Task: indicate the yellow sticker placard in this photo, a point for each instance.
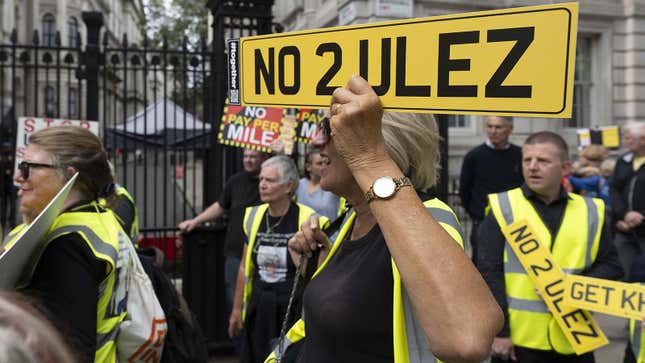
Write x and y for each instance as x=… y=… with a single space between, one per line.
x=578 y=326
x=605 y=296
x=517 y=61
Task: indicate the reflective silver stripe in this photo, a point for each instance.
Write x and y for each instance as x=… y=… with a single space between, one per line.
x=505 y=206
x=592 y=226
x=104 y=338
x=636 y=341
x=572 y=271
x=249 y=221
x=512 y=264
x=527 y=305
x=447 y=217
x=97 y=243
x=418 y=349
x=281 y=347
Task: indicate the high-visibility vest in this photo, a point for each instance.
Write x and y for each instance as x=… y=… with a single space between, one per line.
x=575 y=248
x=409 y=340
x=637 y=339
x=252 y=220
x=133 y=230
x=102 y=233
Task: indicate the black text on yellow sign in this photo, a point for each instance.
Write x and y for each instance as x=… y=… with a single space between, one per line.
x=605 y=296
x=516 y=61
x=578 y=326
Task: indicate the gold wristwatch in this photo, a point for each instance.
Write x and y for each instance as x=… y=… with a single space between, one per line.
x=385 y=187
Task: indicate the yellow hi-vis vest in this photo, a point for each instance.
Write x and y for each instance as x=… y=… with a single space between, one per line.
x=252 y=220
x=637 y=339
x=133 y=232
x=409 y=340
x=574 y=248
x=103 y=235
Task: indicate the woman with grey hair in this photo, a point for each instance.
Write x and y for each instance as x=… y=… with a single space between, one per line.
x=395 y=285
x=267 y=271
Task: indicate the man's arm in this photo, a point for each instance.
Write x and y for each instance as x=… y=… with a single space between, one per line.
x=606 y=265
x=212 y=212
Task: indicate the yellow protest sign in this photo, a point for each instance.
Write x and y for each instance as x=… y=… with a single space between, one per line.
x=578 y=326
x=605 y=296
x=517 y=61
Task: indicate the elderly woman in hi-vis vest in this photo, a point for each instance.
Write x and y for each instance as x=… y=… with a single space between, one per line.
x=267 y=270
x=393 y=284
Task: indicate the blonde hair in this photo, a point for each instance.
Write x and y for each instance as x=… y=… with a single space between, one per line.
x=27 y=336
x=595 y=153
x=79 y=148
x=412 y=141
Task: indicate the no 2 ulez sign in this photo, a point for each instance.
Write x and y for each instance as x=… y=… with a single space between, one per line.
x=516 y=61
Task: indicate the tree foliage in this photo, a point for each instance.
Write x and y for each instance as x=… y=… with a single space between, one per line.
x=176 y=20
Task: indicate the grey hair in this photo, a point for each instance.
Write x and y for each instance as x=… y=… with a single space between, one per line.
x=286 y=168
x=412 y=141
x=507 y=119
x=635 y=128
x=27 y=336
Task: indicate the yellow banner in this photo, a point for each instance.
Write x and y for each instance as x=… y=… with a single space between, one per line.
x=578 y=326
x=605 y=296
x=517 y=61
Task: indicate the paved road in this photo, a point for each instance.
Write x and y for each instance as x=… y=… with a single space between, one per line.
x=614 y=328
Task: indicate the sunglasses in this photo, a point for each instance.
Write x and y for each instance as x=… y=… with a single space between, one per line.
x=325 y=127
x=24 y=167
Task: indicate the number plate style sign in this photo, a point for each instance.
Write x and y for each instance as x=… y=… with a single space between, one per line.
x=517 y=61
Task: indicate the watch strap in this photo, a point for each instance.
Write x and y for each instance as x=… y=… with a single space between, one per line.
x=399 y=182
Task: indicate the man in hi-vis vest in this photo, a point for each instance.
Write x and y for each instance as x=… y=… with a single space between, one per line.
x=574 y=230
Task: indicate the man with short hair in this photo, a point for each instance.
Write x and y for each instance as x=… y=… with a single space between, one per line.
x=241 y=191
x=627 y=195
x=564 y=223
x=491 y=167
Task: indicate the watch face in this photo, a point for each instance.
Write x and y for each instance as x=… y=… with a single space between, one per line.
x=384 y=187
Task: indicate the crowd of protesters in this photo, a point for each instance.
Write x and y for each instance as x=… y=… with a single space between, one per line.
x=391 y=280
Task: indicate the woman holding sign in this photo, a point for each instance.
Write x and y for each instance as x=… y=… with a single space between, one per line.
x=396 y=286
x=79 y=273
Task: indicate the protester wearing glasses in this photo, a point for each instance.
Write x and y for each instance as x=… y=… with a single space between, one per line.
x=79 y=272
x=396 y=286
x=266 y=272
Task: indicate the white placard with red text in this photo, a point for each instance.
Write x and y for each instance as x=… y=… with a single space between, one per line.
x=29 y=125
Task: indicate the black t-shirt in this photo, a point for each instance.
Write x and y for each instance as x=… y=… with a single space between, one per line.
x=66 y=284
x=240 y=191
x=348 y=306
x=270 y=253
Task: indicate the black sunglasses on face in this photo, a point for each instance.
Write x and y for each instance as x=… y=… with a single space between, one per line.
x=325 y=127
x=24 y=166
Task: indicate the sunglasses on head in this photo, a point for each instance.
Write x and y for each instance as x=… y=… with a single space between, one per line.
x=24 y=167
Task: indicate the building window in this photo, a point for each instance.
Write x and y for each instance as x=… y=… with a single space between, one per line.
x=72 y=32
x=458 y=121
x=73 y=103
x=50 y=101
x=582 y=85
x=49 y=30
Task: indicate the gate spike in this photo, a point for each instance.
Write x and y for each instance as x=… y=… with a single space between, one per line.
x=14 y=36
x=105 y=39
x=185 y=43
x=57 y=38
x=79 y=41
x=145 y=41
x=34 y=38
x=125 y=40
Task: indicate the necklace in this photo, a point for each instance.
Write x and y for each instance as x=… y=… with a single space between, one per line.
x=271 y=228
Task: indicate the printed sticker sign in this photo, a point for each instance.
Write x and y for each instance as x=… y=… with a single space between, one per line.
x=253 y=128
x=517 y=61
